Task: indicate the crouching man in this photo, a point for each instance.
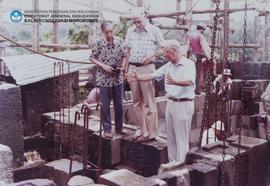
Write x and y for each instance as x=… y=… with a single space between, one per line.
x=179 y=74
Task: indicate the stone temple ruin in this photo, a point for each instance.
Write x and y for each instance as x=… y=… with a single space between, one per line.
x=48 y=138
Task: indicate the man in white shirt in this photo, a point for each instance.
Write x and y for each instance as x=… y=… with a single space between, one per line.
x=179 y=75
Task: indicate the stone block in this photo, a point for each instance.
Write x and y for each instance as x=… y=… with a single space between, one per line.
x=6 y=164
x=236 y=69
x=198 y=102
x=35 y=182
x=234 y=123
x=194 y=137
x=58 y=170
x=110 y=153
x=252 y=71
x=174 y=173
x=212 y=154
x=125 y=177
x=29 y=171
x=145 y=157
x=251 y=108
x=129 y=116
x=235 y=107
x=196 y=120
x=253 y=89
x=236 y=89
x=202 y=174
x=265 y=71
x=264 y=127
x=11 y=126
x=80 y=181
x=258 y=150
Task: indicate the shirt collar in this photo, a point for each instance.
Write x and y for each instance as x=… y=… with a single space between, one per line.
x=106 y=42
x=146 y=28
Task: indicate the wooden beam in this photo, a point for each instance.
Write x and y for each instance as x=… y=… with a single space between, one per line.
x=267 y=39
x=35 y=28
x=173 y=27
x=256 y=37
x=179 y=13
x=188 y=14
x=225 y=34
x=178 y=32
x=130 y=3
x=55 y=26
x=241 y=46
x=51 y=45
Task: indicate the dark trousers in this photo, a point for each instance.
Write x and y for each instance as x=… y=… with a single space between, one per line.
x=107 y=94
x=199 y=72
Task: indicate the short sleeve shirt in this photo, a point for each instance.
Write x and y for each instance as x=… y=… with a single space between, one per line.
x=143 y=42
x=109 y=54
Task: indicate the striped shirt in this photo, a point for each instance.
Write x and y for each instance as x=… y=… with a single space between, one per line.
x=143 y=42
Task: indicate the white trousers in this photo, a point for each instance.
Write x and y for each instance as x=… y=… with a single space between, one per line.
x=178 y=126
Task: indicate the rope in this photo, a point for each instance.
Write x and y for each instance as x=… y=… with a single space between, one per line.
x=44 y=55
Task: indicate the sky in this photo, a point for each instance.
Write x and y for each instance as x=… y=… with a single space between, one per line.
x=155 y=6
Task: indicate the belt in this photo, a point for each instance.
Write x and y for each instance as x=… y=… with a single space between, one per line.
x=139 y=64
x=180 y=99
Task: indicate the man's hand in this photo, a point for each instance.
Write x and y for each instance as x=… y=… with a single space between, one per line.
x=146 y=60
x=149 y=57
x=107 y=68
x=170 y=80
x=131 y=76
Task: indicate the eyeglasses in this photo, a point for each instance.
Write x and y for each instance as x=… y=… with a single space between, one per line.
x=137 y=22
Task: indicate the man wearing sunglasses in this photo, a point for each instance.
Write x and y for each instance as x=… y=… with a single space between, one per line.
x=143 y=40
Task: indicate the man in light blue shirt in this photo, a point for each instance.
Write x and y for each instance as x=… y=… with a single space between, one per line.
x=143 y=39
x=179 y=75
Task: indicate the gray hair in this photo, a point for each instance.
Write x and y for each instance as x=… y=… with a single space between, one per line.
x=138 y=12
x=171 y=44
x=105 y=24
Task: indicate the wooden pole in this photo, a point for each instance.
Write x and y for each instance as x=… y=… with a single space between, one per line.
x=178 y=32
x=225 y=38
x=55 y=26
x=196 y=12
x=256 y=37
x=267 y=38
x=140 y=3
x=189 y=13
x=35 y=28
x=174 y=27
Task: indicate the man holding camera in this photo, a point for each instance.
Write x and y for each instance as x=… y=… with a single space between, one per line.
x=109 y=54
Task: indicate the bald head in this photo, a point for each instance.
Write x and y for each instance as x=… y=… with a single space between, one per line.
x=171 y=50
x=138 y=17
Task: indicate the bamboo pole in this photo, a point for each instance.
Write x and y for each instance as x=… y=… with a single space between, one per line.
x=179 y=13
x=55 y=26
x=35 y=28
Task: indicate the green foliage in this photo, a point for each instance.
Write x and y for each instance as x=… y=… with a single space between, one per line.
x=78 y=36
x=121 y=28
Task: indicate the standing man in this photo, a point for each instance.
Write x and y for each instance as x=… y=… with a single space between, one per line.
x=143 y=40
x=199 y=47
x=109 y=54
x=179 y=75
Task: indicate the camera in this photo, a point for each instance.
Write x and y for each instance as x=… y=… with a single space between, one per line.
x=116 y=71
